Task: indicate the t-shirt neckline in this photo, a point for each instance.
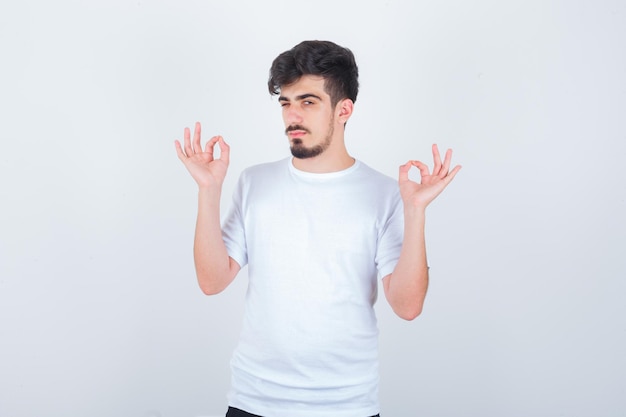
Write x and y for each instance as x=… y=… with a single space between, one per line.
x=323 y=175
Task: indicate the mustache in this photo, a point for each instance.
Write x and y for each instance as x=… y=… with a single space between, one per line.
x=296 y=127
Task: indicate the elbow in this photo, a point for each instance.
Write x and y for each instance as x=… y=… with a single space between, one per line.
x=406 y=296
x=209 y=286
x=214 y=280
x=409 y=316
x=210 y=290
x=409 y=313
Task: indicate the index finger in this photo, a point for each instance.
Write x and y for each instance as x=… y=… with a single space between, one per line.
x=404 y=172
x=210 y=145
x=224 y=150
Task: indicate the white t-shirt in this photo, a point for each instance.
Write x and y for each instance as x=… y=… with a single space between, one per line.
x=314 y=245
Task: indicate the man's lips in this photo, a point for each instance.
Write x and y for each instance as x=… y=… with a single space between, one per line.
x=296 y=133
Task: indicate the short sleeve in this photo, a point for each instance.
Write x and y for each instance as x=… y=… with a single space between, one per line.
x=233 y=227
x=390 y=238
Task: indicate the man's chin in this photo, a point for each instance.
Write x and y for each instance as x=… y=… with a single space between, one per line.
x=302 y=152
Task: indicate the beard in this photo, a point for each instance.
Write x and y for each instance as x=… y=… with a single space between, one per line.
x=298 y=150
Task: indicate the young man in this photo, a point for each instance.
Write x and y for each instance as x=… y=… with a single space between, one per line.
x=316 y=230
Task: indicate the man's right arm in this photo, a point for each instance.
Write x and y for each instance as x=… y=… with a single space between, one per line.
x=214 y=268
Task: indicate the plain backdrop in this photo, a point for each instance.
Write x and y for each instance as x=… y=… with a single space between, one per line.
x=100 y=313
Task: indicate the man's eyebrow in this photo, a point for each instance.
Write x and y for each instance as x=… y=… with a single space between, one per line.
x=305 y=96
x=301 y=97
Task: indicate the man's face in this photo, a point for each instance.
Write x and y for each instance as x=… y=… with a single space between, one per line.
x=308 y=116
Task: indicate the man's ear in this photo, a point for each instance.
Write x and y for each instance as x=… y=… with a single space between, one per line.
x=344 y=110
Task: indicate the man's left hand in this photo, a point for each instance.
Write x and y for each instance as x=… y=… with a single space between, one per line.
x=431 y=184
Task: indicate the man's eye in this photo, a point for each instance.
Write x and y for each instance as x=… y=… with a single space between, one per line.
x=307 y=102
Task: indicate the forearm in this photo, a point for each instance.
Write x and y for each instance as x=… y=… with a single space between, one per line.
x=406 y=287
x=214 y=268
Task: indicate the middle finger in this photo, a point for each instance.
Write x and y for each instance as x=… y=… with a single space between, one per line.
x=197 y=147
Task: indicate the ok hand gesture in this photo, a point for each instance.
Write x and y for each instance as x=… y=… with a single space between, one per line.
x=207 y=171
x=431 y=185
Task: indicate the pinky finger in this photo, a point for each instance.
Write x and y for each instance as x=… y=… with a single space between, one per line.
x=452 y=173
x=179 y=151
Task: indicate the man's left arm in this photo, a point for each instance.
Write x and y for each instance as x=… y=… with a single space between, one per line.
x=405 y=288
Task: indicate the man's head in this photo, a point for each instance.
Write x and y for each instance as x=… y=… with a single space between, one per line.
x=335 y=64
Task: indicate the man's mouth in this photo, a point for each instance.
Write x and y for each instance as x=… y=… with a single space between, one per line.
x=294 y=134
x=296 y=131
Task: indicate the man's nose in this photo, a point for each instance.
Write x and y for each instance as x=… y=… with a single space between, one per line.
x=293 y=116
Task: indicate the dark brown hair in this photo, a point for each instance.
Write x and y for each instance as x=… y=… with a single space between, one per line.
x=334 y=63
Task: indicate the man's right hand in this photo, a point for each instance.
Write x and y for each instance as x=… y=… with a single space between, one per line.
x=207 y=171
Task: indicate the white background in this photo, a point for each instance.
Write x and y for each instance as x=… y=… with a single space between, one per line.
x=100 y=314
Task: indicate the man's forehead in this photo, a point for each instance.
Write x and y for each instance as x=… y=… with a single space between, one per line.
x=307 y=84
